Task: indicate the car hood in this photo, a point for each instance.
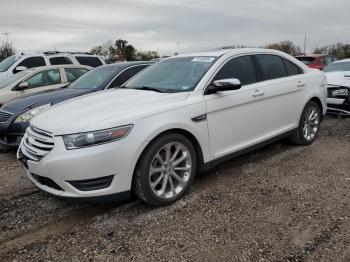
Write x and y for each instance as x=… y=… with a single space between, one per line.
x=3 y=75
x=105 y=109
x=338 y=78
x=45 y=97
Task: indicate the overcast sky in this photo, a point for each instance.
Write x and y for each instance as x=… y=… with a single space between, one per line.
x=159 y=24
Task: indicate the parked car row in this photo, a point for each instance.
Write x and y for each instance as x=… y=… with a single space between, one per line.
x=159 y=126
x=17 y=63
x=15 y=115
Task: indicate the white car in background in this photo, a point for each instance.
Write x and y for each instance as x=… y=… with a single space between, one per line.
x=38 y=79
x=17 y=63
x=181 y=115
x=338 y=84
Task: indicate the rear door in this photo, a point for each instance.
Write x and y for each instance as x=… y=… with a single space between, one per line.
x=44 y=80
x=236 y=119
x=283 y=84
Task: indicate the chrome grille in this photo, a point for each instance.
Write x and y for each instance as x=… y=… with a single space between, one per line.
x=4 y=116
x=37 y=143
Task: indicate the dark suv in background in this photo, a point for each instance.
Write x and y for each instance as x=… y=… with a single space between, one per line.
x=316 y=61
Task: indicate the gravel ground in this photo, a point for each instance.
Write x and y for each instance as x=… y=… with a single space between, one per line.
x=281 y=203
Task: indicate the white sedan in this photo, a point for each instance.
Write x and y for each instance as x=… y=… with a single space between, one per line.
x=182 y=115
x=38 y=79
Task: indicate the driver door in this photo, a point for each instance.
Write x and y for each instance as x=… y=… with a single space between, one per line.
x=236 y=119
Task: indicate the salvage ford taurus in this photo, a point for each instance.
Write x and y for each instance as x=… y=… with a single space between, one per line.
x=182 y=115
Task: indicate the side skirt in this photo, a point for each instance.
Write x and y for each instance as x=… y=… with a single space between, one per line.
x=213 y=163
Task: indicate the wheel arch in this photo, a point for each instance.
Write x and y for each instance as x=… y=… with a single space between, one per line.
x=184 y=132
x=319 y=103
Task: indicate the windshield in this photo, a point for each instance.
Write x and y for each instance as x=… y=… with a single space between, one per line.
x=14 y=78
x=7 y=63
x=306 y=59
x=179 y=74
x=97 y=78
x=339 y=66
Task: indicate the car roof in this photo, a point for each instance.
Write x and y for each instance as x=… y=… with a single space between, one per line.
x=235 y=51
x=123 y=65
x=59 y=66
x=343 y=60
x=313 y=55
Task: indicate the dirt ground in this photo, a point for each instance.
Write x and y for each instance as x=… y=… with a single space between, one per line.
x=281 y=203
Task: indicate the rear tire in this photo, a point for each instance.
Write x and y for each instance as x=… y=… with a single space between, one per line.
x=165 y=170
x=309 y=125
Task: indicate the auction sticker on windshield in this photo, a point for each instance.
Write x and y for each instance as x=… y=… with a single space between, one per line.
x=203 y=59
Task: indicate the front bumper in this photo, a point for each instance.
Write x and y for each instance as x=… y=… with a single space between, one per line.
x=64 y=167
x=338 y=106
x=11 y=133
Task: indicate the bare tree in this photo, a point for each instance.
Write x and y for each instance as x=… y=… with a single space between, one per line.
x=339 y=50
x=6 y=50
x=286 y=46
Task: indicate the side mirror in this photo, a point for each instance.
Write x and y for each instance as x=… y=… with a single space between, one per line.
x=224 y=85
x=20 y=68
x=22 y=86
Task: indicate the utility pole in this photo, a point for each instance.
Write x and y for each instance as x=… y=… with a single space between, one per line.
x=305 y=44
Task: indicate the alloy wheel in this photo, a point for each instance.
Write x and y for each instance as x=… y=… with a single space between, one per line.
x=170 y=170
x=311 y=123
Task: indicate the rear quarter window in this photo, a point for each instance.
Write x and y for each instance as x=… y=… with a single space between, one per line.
x=89 y=61
x=60 y=61
x=291 y=68
x=272 y=66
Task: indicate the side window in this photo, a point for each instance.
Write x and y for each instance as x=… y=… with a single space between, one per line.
x=241 y=68
x=62 y=60
x=126 y=75
x=53 y=77
x=89 y=61
x=36 y=80
x=32 y=62
x=45 y=78
x=272 y=66
x=291 y=68
x=74 y=73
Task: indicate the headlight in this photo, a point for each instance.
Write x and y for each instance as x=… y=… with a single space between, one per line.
x=27 y=116
x=341 y=92
x=96 y=137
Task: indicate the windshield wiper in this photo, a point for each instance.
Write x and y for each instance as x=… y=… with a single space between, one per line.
x=148 y=88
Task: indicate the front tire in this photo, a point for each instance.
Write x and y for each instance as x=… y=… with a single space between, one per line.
x=309 y=125
x=165 y=170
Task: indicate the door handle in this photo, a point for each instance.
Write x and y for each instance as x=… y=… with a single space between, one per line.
x=301 y=84
x=258 y=92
